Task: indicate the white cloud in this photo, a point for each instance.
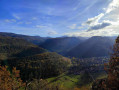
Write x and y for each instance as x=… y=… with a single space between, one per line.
x=100 y=25
x=112 y=30
x=111 y=12
x=94 y=20
x=112 y=6
x=104 y=24
x=73 y=26
x=13 y=20
x=83 y=11
x=7 y=20
x=40 y=26
x=34 y=18
x=80 y=27
x=10 y=20
x=16 y=16
x=52 y=32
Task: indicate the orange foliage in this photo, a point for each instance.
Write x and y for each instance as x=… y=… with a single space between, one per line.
x=76 y=89
x=10 y=81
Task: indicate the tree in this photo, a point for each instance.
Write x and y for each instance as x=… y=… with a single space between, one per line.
x=10 y=81
x=113 y=69
x=112 y=81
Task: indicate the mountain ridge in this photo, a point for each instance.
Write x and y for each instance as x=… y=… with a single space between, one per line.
x=92 y=47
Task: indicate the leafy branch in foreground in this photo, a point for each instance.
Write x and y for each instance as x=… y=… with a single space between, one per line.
x=10 y=81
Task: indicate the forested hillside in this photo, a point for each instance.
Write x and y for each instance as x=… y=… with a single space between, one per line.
x=40 y=68
x=30 y=59
x=11 y=47
x=33 y=39
x=69 y=46
x=62 y=44
x=93 y=47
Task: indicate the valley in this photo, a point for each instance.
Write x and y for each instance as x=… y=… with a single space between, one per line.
x=55 y=59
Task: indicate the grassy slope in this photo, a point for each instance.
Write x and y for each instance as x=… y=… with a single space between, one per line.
x=69 y=82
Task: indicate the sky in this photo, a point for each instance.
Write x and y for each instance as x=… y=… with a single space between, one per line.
x=57 y=18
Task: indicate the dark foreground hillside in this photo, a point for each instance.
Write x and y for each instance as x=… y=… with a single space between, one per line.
x=39 y=66
x=31 y=60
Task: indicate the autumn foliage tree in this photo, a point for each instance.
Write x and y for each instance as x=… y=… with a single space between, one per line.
x=10 y=81
x=113 y=68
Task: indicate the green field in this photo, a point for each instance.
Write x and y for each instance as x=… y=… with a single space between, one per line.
x=69 y=82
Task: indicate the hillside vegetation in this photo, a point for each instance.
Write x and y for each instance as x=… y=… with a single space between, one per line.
x=31 y=60
x=40 y=66
x=41 y=69
x=33 y=39
x=62 y=44
x=93 y=47
x=11 y=47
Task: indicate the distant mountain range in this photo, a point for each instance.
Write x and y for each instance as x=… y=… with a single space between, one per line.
x=17 y=47
x=96 y=46
x=33 y=39
x=62 y=44
x=81 y=47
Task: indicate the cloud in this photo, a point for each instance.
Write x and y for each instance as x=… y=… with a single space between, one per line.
x=83 y=11
x=41 y=14
x=52 y=33
x=16 y=16
x=34 y=18
x=112 y=6
x=104 y=19
x=40 y=26
x=99 y=26
x=7 y=20
x=94 y=20
x=104 y=24
x=73 y=26
x=80 y=27
x=111 y=30
x=10 y=20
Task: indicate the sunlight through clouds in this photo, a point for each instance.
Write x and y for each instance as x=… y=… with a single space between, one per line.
x=102 y=24
x=65 y=17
